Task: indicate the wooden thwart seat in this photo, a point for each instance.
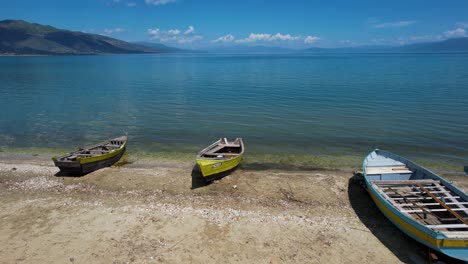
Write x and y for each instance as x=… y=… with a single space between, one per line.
x=216 y=154
x=387 y=170
x=220 y=147
x=404 y=182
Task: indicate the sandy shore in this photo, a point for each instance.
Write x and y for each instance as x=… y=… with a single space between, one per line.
x=152 y=211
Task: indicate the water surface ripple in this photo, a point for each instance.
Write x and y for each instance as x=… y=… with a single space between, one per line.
x=412 y=104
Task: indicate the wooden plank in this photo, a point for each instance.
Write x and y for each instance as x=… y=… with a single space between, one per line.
x=229 y=145
x=432 y=210
x=456 y=203
x=443 y=204
x=213 y=150
x=413 y=186
x=405 y=182
x=447 y=226
x=387 y=170
x=416 y=192
x=421 y=198
x=112 y=146
x=455 y=234
x=386 y=196
x=451 y=219
x=216 y=154
x=448 y=196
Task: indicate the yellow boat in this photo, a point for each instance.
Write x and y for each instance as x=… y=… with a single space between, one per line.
x=92 y=158
x=219 y=157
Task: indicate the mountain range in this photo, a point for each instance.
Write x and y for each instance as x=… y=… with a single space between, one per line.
x=454 y=45
x=18 y=37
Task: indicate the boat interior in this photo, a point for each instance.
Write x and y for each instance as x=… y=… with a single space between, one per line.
x=420 y=195
x=223 y=149
x=95 y=150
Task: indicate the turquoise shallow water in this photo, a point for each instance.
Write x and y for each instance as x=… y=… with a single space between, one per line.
x=413 y=104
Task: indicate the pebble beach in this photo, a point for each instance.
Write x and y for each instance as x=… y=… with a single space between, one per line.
x=153 y=210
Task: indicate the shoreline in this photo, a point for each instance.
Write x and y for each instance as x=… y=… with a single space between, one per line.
x=148 y=210
x=252 y=161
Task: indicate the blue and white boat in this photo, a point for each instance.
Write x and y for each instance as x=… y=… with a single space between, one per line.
x=420 y=203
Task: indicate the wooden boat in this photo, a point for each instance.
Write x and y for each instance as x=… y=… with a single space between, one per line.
x=420 y=203
x=92 y=158
x=219 y=157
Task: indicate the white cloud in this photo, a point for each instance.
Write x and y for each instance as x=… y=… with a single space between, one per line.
x=190 y=30
x=153 y=32
x=159 y=2
x=394 y=24
x=110 y=31
x=254 y=37
x=173 y=35
x=173 y=32
x=266 y=37
x=279 y=36
x=131 y=4
x=224 y=39
x=310 y=39
x=456 y=33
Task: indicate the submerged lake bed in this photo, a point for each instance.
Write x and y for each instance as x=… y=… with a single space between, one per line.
x=285 y=106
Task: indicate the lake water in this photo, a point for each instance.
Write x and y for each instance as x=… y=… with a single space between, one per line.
x=413 y=104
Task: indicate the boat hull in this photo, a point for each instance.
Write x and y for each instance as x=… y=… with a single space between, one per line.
x=92 y=158
x=456 y=248
x=213 y=167
x=84 y=166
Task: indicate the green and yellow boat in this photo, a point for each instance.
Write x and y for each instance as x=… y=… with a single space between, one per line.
x=92 y=158
x=219 y=157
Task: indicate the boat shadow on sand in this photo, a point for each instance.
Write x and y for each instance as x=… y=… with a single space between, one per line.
x=401 y=245
x=198 y=181
x=405 y=248
x=71 y=175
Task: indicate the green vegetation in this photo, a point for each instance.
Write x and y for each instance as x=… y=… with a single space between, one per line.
x=252 y=161
x=20 y=37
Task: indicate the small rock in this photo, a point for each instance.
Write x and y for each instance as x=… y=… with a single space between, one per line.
x=13 y=169
x=234 y=186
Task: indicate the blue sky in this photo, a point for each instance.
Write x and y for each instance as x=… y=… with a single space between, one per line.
x=293 y=23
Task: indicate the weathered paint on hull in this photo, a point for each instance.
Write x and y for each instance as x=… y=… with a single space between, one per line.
x=451 y=247
x=210 y=167
x=79 y=167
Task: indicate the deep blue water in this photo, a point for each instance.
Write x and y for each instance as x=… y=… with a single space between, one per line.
x=411 y=104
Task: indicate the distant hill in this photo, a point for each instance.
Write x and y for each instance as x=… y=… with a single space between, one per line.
x=360 y=49
x=449 y=45
x=445 y=46
x=163 y=48
x=250 y=49
x=19 y=37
